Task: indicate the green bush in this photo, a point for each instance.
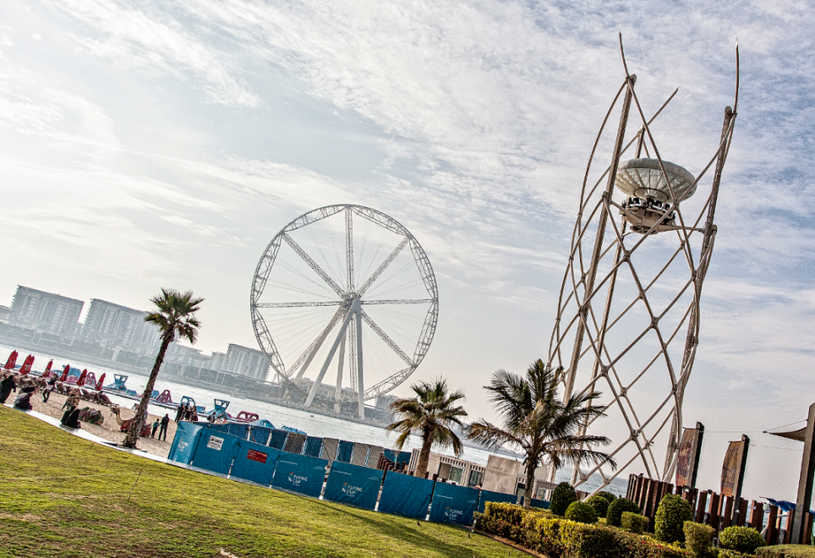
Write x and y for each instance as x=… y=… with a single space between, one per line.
x=562 y=496
x=617 y=507
x=544 y=536
x=634 y=522
x=727 y=553
x=670 y=519
x=599 y=503
x=741 y=539
x=786 y=551
x=699 y=539
x=581 y=540
x=561 y=538
x=581 y=512
x=607 y=495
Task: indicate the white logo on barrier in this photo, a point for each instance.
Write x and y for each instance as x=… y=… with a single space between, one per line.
x=297 y=480
x=350 y=490
x=453 y=515
x=182 y=445
x=215 y=443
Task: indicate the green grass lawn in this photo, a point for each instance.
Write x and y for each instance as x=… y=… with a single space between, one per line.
x=63 y=496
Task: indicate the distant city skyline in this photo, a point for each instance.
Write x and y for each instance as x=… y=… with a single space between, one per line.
x=118 y=329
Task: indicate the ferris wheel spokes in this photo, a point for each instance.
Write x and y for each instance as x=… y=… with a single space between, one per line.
x=312 y=264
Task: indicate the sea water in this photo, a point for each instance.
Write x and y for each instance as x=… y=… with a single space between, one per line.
x=312 y=423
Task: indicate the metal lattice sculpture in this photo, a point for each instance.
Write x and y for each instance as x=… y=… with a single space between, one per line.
x=349 y=285
x=628 y=314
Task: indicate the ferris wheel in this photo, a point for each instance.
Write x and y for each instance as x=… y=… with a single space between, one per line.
x=345 y=288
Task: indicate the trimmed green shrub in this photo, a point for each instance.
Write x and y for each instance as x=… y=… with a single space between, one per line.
x=670 y=519
x=634 y=522
x=786 y=551
x=617 y=507
x=561 y=538
x=581 y=512
x=581 y=540
x=741 y=539
x=599 y=503
x=699 y=539
x=607 y=495
x=727 y=553
x=562 y=496
x=543 y=535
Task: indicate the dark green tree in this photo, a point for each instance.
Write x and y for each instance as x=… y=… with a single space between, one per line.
x=538 y=423
x=174 y=315
x=430 y=415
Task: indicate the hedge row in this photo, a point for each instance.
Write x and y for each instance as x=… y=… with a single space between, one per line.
x=561 y=538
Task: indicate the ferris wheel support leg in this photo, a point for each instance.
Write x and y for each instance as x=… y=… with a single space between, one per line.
x=338 y=392
x=360 y=382
x=354 y=310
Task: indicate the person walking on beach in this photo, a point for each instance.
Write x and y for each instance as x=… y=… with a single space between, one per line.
x=178 y=413
x=6 y=386
x=155 y=427
x=162 y=433
x=49 y=387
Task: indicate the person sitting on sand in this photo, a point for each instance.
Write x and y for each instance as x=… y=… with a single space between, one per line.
x=6 y=386
x=23 y=400
x=71 y=418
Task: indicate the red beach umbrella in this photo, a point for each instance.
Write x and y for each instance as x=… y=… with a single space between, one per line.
x=26 y=367
x=12 y=361
x=65 y=372
x=81 y=380
x=47 y=372
x=99 y=383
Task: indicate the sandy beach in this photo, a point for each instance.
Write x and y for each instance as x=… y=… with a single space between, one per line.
x=109 y=430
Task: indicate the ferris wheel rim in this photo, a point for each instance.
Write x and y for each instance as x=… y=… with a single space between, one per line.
x=419 y=258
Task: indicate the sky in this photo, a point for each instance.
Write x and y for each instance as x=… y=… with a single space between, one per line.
x=150 y=144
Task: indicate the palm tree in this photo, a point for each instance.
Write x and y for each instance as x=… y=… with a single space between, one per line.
x=174 y=315
x=537 y=421
x=430 y=415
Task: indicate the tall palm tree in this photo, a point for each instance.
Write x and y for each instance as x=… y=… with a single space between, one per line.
x=430 y=415
x=538 y=422
x=174 y=315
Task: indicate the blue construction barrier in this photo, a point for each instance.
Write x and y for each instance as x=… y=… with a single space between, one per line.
x=490 y=496
x=354 y=485
x=215 y=451
x=260 y=435
x=314 y=446
x=186 y=438
x=300 y=473
x=453 y=504
x=541 y=504
x=278 y=439
x=344 y=451
x=255 y=462
x=405 y=495
x=403 y=457
x=237 y=430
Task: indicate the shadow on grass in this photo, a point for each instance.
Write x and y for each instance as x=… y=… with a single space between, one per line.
x=412 y=531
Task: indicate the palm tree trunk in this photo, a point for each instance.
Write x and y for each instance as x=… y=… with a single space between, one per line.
x=530 y=485
x=424 y=455
x=138 y=421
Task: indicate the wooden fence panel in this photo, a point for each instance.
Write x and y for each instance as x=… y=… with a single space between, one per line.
x=757 y=516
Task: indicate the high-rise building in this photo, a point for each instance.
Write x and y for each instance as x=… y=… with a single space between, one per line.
x=246 y=362
x=47 y=312
x=113 y=325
